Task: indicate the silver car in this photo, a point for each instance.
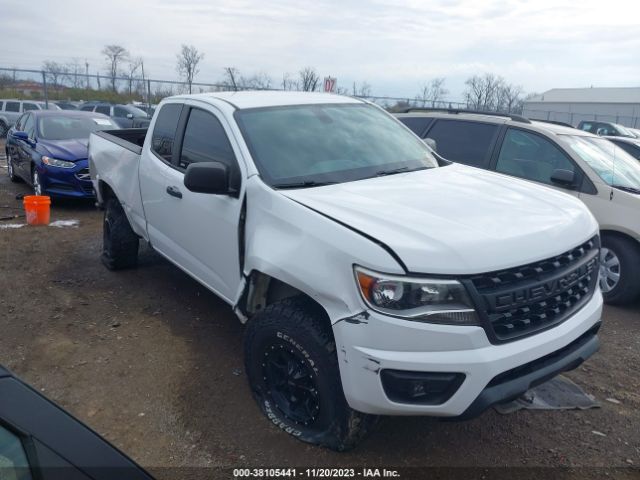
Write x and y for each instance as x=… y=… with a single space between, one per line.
x=10 y=111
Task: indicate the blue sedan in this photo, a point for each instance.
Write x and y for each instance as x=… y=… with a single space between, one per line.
x=48 y=150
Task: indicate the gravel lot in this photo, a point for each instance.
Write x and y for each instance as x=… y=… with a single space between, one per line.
x=153 y=361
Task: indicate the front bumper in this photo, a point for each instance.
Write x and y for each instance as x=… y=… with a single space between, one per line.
x=372 y=342
x=67 y=182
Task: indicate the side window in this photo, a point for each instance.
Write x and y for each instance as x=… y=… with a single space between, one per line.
x=417 y=125
x=119 y=112
x=205 y=141
x=464 y=142
x=12 y=107
x=13 y=459
x=87 y=108
x=530 y=156
x=1 y=105
x=26 y=106
x=20 y=123
x=164 y=130
x=106 y=109
x=29 y=125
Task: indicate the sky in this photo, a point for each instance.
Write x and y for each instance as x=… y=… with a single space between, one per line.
x=395 y=46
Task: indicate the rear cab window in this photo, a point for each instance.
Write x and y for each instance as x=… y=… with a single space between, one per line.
x=164 y=131
x=465 y=142
x=26 y=106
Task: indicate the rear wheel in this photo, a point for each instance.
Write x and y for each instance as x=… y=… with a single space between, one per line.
x=3 y=129
x=291 y=362
x=119 y=241
x=619 y=272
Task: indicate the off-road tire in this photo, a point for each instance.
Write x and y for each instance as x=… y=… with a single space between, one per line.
x=628 y=252
x=298 y=325
x=4 y=128
x=119 y=242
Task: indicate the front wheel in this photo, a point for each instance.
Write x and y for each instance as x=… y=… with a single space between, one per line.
x=119 y=241
x=291 y=362
x=619 y=273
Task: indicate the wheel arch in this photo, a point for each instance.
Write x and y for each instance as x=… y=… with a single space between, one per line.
x=261 y=289
x=620 y=234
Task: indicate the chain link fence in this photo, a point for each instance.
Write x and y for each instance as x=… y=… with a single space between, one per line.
x=76 y=85
x=574 y=118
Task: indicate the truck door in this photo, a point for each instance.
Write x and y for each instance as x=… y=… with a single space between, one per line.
x=201 y=230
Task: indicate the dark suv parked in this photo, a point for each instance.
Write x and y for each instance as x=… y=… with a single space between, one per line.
x=126 y=116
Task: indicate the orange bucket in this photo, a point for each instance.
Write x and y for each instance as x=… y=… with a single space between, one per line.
x=37 y=209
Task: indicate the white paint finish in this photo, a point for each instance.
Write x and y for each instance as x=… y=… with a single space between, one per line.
x=307 y=250
x=363 y=349
x=457 y=219
x=448 y=220
x=118 y=168
x=263 y=98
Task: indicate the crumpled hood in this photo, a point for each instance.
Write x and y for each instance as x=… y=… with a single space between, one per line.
x=456 y=219
x=70 y=150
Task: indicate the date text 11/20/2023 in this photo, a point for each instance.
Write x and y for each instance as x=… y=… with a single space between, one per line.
x=315 y=473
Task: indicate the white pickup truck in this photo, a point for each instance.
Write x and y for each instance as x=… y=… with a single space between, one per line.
x=374 y=277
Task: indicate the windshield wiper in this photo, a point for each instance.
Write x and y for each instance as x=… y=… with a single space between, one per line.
x=303 y=184
x=624 y=188
x=393 y=171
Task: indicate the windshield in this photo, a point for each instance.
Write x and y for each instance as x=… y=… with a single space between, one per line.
x=67 y=128
x=334 y=143
x=612 y=164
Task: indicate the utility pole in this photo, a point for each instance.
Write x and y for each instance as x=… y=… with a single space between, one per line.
x=86 y=71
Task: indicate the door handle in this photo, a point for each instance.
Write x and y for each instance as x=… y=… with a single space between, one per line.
x=174 y=192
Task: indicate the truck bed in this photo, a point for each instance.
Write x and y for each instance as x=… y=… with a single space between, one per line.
x=130 y=138
x=114 y=158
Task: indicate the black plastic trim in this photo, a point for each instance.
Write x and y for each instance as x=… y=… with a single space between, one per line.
x=511 y=384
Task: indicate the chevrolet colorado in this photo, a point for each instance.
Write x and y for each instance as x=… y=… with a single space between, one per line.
x=374 y=277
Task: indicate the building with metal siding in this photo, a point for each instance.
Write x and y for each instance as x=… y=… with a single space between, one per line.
x=571 y=105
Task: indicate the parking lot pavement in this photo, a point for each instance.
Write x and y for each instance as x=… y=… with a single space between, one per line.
x=153 y=361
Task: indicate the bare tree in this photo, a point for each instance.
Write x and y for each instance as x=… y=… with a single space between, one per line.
x=75 y=73
x=362 y=90
x=134 y=65
x=309 y=79
x=483 y=91
x=231 y=77
x=55 y=73
x=257 y=81
x=288 y=83
x=114 y=55
x=510 y=98
x=433 y=92
x=188 y=60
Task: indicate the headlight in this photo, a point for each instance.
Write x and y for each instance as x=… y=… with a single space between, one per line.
x=54 y=162
x=420 y=299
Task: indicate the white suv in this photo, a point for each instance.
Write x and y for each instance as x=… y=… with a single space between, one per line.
x=588 y=167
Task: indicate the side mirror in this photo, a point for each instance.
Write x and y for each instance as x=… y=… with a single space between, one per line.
x=207 y=177
x=21 y=135
x=432 y=144
x=564 y=178
x=129 y=116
